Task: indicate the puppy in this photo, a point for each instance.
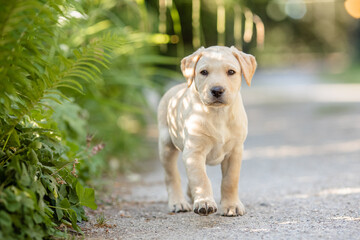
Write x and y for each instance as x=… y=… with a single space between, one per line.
x=206 y=120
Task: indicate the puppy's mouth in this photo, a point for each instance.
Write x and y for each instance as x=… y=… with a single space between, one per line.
x=212 y=101
x=217 y=103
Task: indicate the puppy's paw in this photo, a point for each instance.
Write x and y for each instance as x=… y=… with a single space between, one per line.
x=179 y=206
x=232 y=209
x=205 y=207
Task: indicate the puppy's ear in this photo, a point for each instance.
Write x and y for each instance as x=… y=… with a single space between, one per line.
x=247 y=63
x=188 y=65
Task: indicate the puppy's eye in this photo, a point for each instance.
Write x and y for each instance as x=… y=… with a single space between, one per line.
x=204 y=72
x=231 y=72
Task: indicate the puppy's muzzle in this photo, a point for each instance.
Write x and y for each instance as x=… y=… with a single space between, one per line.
x=217 y=91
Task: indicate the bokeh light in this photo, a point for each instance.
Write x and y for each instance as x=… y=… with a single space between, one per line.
x=276 y=10
x=353 y=8
x=295 y=9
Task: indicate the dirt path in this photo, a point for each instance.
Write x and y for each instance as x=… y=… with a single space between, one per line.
x=300 y=177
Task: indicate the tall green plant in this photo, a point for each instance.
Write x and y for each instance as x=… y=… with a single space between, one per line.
x=117 y=106
x=39 y=188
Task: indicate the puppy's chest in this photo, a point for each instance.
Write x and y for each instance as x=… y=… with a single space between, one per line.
x=218 y=152
x=223 y=143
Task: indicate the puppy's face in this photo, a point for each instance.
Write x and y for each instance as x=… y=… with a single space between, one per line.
x=217 y=77
x=216 y=73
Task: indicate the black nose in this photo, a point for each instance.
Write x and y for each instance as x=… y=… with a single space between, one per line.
x=217 y=91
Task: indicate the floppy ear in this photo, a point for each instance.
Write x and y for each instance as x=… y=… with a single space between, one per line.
x=188 y=65
x=247 y=63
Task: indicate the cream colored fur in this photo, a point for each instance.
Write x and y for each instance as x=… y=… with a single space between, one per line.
x=207 y=129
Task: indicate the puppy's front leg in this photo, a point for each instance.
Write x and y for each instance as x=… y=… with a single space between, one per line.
x=230 y=167
x=199 y=182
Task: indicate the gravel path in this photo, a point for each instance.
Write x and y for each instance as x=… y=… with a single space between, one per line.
x=300 y=177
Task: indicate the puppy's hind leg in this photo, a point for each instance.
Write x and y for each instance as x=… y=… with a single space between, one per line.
x=168 y=157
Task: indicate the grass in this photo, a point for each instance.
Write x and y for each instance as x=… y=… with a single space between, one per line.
x=101 y=220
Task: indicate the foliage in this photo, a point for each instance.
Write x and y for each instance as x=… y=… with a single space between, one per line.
x=37 y=188
x=39 y=146
x=117 y=107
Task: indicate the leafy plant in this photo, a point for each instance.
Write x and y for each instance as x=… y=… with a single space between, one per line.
x=117 y=106
x=37 y=189
x=39 y=150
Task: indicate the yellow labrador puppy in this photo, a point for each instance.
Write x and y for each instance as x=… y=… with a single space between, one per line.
x=206 y=120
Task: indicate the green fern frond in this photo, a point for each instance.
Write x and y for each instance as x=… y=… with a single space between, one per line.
x=31 y=73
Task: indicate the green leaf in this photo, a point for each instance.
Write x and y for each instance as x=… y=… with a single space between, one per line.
x=50 y=183
x=73 y=198
x=14 y=139
x=65 y=203
x=70 y=81
x=86 y=196
x=62 y=206
x=56 y=92
x=39 y=188
x=52 y=98
x=37 y=218
x=59 y=213
x=32 y=156
x=94 y=59
x=91 y=65
x=12 y=204
x=73 y=218
x=79 y=212
x=5 y=220
x=70 y=86
x=25 y=178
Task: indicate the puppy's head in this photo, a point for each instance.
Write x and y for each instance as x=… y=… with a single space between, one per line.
x=216 y=72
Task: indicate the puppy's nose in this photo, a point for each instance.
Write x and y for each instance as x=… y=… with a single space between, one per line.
x=217 y=91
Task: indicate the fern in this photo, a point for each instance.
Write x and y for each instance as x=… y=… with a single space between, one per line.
x=34 y=68
x=38 y=184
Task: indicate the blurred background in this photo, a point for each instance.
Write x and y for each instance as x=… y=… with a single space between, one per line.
x=294 y=41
